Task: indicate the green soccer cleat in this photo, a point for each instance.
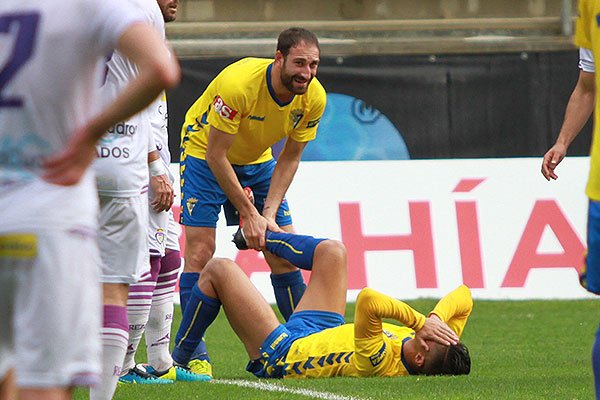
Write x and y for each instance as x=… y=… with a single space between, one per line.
x=179 y=373
x=138 y=375
x=200 y=367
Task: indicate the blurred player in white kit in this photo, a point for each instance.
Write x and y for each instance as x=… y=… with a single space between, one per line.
x=49 y=124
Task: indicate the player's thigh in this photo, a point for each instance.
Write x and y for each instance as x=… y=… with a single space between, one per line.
x=57 y=313
x=122 y=238
x=158 y=230
x=201 y=194
x=199 y=247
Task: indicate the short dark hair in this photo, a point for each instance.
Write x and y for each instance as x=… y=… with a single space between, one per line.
x=291 y=37
x=455 y=360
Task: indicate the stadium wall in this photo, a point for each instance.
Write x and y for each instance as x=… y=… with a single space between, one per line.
x=419 y=228
x=425 y=107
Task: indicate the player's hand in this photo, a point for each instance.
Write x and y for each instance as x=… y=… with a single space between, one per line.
x=255 y=229
x=552 y=158
x=272 y=225
x=163 y=193
x=436 y=330
x=67 y=167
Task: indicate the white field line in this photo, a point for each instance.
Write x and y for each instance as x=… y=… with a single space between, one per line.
x=277 y=388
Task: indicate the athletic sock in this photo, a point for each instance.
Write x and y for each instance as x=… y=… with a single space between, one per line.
x=200 y=312
x=115 y=333
x=187 y=281
x=288 y=288
x=158 y=328
x=297 y=249
x=139 y=301
x=596 y=363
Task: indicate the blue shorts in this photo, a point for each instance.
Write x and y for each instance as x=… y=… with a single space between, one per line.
x=592 y=260
x=202 y=197
x=275 y=348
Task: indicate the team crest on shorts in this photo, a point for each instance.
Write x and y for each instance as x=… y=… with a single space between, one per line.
x=191 y=203
x=160 y=235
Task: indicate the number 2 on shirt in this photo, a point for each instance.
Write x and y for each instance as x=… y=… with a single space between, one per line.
x=22 y=28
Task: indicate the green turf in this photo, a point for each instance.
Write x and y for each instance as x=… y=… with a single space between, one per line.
x=519 y=350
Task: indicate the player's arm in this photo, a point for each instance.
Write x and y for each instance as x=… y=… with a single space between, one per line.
x=578 y=111
x=372 y=307
x=283 y=174
x=143 y=45
x=255 y=226
x=161 y=184
x=454 y=309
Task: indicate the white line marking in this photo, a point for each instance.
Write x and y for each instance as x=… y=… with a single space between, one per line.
x=277 y=388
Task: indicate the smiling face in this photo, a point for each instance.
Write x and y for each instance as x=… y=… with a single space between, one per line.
x=298 y=67
x=168 y=9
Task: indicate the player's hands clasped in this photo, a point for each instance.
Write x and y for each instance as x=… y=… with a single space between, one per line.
x=436 y=330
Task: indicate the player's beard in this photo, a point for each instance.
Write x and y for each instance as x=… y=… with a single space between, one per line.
x=288 y=81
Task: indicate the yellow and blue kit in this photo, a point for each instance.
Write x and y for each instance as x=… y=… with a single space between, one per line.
x=368 y=347
x=587 y=35
x=241 y=101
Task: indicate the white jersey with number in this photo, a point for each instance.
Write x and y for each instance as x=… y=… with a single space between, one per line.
x=51 y=71
x=122 y=154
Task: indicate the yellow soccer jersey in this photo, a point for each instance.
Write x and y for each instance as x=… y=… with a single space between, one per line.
x=587 y=35
x=370 y=347
x=241 y=101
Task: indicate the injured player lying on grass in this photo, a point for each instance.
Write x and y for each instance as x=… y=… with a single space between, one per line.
x=316 y=341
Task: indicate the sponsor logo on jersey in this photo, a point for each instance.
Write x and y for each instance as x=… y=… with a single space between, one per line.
x=378 y=357
x=123 y=128
x=18 y=246
x=296 y=116
x=223 y=109
x=313 y=123
x=114 y=152
x=191 y=203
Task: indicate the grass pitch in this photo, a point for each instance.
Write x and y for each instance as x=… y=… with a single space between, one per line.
x=519 y=350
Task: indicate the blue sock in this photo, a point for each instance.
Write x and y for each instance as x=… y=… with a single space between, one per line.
x=288 y=288
x=596 y=363
x=186 y=282
x=200 y=312
x=297 y=249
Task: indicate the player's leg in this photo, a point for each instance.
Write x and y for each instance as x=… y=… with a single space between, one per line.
x=122 y=239
x=199 y=249
x=57 y=329
x=8 y=388
x=287 y=281
x=326 y=290
x=223 y=283
x=592 y=277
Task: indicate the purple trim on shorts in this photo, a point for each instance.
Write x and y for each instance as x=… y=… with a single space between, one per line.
x=85 y=379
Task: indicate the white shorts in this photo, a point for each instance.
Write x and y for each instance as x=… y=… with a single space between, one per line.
x=52 y=336
x=122 y=238
x=163 y=232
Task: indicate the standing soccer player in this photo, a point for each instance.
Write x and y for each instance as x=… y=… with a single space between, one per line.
x=125 y=154
x=49 y=125
x=226 y=145
x=588 y=36
x=150 y=301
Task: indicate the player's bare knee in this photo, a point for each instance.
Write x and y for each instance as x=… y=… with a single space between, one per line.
x=218 y=268
x=333 y=250
x=197 y=257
